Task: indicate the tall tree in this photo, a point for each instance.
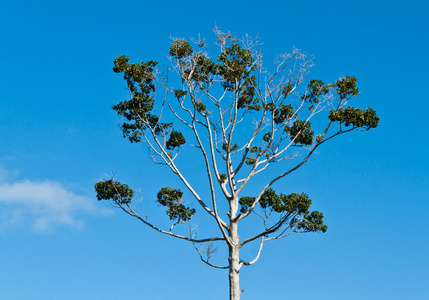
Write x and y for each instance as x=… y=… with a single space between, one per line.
x=242 y=118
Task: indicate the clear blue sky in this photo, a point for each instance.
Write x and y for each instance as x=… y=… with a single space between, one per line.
x=59 y=136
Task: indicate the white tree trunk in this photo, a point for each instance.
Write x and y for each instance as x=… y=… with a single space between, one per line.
x=234 y=264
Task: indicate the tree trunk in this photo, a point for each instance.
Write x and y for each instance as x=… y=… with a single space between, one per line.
x=234 y=264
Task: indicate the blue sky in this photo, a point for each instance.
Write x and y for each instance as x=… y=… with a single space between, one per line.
x=60 y=136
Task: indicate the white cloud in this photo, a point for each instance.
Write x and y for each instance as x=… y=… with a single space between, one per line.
x=42 y=205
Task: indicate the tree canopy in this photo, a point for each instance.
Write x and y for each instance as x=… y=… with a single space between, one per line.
x=242 y=118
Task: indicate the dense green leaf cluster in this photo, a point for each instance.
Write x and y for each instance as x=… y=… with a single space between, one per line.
x=203 y=69
x=232 y=147
x=283 y=113
x=139 y=77
x=175 y=141
x=250 y=161
x=285 y=203
x=315 y=89
x=346 y=87
x=139 y=109
x=200 y=107
x=114 y=191
x=180 y=93
x=312 y=222
x=180 y=49
x=296 y=206
x=267 y=137
x=245 y=202
x=287 y=89
x=198 y=67
x=255 y=149
x=247 y=97
x=222 y=178
x=356 y=117
x=171 y=198
x=301 y=131
x=269 y=106
x=235 y=64
x=235 y=67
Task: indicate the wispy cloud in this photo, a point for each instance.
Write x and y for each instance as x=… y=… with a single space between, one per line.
x=42 y=205
x=7 y=174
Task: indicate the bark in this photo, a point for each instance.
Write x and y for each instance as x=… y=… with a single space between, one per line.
x=234 y=264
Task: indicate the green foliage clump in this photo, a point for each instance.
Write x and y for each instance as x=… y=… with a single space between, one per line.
x=301 y=131
x=202 y=69
x=312 y=222
x=232 y=148
x=171 y=198
x=200 y=107
x=315 y=89
x=247 y=99
x=121 y=63
x=287 y=89
x=267 y=137
x=255 y=149
x=180 y=49
x=355 y=117
x=114 y=191
x=283 y=113
x=285 y=203
x=180 y=93
x=235 y=65
x=346 y=87
x=222 y=178
x=175 y=141
x=269 y=106
x=138 y=110
x=250 y=161
x=295 y=206
x=245 y=202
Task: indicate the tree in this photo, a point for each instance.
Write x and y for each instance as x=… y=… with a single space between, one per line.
x=212 y=100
